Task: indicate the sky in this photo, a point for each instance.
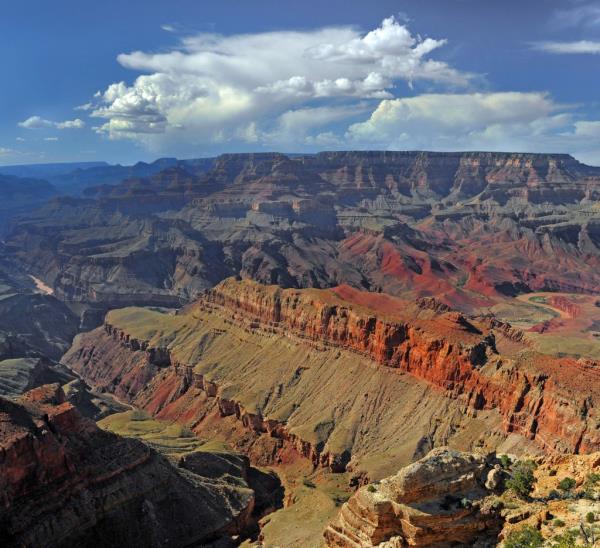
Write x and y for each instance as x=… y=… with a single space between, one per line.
x=124 y=81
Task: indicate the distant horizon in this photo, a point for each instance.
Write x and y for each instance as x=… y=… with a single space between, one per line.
x=100 y=162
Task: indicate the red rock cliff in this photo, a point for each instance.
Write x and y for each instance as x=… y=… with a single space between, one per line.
x=549 y=400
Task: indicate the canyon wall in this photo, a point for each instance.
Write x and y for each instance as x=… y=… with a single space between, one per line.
x=336 y=377
x=469 y=228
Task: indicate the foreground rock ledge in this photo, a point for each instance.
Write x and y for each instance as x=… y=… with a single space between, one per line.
x=439 y=500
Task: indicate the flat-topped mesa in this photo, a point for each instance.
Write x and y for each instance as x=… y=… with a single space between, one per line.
x=444 y=173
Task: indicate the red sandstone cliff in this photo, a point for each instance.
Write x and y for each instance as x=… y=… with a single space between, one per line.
x=553 y=401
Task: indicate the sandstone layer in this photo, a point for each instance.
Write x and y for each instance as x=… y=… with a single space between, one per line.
x=450 y=498
x=436 y=501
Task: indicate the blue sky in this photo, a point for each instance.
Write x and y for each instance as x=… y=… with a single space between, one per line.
x=127 y=81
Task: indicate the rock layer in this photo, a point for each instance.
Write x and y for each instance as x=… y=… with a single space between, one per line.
x=469 y=228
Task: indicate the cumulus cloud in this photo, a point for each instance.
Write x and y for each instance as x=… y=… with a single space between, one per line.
x=214 y=87
x=70 y=124
x=37 y=122
x=334 y=87
x=579 y=47
x=489 y=121
x=297 y=127
x=451 y=115
x=5 y=151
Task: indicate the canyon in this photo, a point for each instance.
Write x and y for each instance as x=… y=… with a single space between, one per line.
x=470 y=228
x=333 y=318
x=66 y=482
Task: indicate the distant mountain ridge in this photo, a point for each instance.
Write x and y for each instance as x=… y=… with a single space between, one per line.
x=74 y=177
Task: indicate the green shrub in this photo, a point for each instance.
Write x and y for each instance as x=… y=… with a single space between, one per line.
x=566 y=484
x=525 y=537
x=372 y=489
x=552 y=472
x=590 y=517
x=590 y=486
x=568 y=539
x=522 y=479
x=593 y=478
x=532 y=464
x=558 y=523
x=553 y=495
x=505 y=461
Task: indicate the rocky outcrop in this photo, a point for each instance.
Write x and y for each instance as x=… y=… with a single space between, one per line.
x=439 y=501
x=449 y=498
x=65 y=482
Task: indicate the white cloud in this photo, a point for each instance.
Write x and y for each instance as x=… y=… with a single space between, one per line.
x=511 y=121
x=579 y=47
x=85 y=106
x=77 y=123
x=168 y=28
x=52 y=139
x=5 y=151
x=20 y=139
x=334 y=87
x=213 y=87
x=37 y=122
x=583 y=15
x=451 y=117
x=297 y=126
